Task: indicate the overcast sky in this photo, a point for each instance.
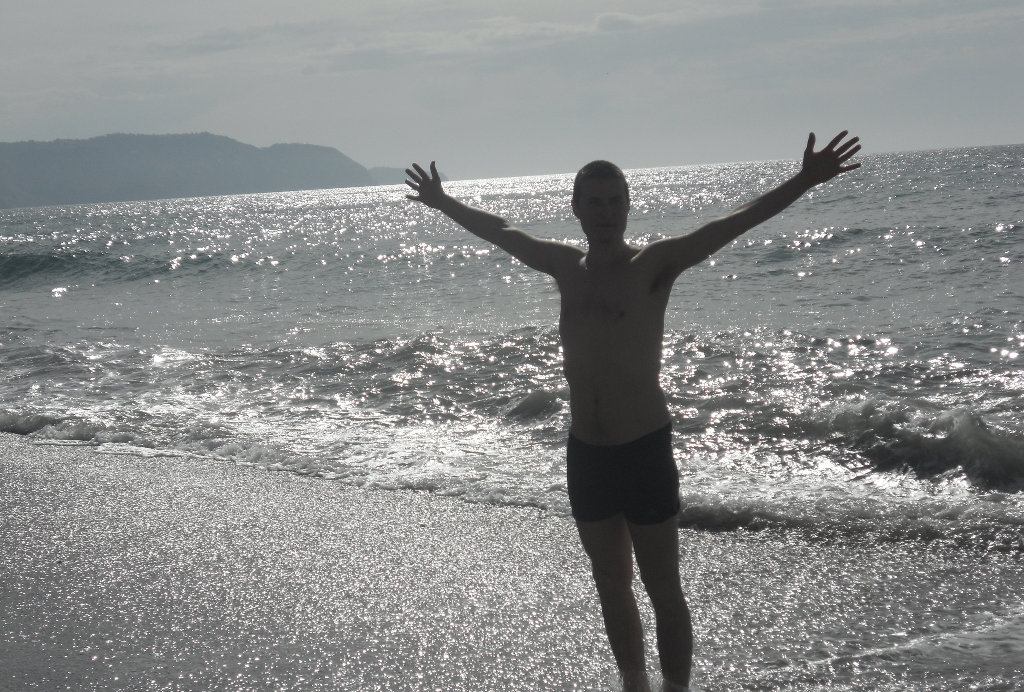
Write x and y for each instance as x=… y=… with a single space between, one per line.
x=494 y=88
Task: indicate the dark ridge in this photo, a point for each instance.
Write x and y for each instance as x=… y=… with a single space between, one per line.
x=121 y=168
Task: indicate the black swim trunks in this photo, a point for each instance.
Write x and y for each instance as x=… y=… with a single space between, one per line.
x=638 y=478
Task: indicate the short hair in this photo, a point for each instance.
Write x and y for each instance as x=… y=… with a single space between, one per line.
x=598 y=170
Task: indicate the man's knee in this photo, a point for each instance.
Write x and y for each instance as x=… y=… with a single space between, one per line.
x=665 y=592
x=612 y=578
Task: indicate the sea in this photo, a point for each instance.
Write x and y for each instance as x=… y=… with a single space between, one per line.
x=848 y=373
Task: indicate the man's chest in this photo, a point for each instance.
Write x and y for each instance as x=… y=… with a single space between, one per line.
x=608 y=299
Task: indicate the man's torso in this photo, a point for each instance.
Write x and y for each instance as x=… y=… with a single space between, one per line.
x=612 y=326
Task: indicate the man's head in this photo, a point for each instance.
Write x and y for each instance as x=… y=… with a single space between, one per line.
x=598 y=170
x=600 y=200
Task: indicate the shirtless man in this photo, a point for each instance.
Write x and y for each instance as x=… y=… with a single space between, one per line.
x=622 y=479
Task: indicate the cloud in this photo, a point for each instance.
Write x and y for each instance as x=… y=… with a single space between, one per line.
x=618 y=21
x=480 y=32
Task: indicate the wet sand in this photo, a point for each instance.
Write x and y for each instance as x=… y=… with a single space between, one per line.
x=122 y=572
x=129 y=572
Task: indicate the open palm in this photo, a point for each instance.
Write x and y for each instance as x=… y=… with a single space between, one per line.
x=826 y=164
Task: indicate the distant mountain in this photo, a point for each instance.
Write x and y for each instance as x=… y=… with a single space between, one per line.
x=119 y=167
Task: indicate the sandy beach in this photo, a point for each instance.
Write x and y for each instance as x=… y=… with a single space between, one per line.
x=130 y=572
x=124 y=572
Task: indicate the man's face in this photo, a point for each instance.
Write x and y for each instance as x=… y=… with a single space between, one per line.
x=602 y=206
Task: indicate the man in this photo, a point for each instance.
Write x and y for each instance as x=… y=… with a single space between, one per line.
x=622 y=479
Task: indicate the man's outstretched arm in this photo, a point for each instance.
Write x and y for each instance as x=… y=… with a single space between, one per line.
x=536 y=253
x=685 y=251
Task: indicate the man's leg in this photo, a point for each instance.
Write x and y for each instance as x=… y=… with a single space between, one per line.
x=657 y=556
x=610 y=548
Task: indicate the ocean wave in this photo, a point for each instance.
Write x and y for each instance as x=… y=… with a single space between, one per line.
x=984 y=523
x=760 y=393
x=48 y=427
x=899 y=437
x=22 y=270
x=25 y=423
x=97 y=267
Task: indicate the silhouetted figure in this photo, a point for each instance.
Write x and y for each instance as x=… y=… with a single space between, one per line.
x=622 y=479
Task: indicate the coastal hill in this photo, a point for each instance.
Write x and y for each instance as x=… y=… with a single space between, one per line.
x=120 y=167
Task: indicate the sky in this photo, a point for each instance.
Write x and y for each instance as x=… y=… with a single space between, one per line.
x=496 y=88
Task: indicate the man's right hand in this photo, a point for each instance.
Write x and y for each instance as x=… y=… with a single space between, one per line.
x=427 y=186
